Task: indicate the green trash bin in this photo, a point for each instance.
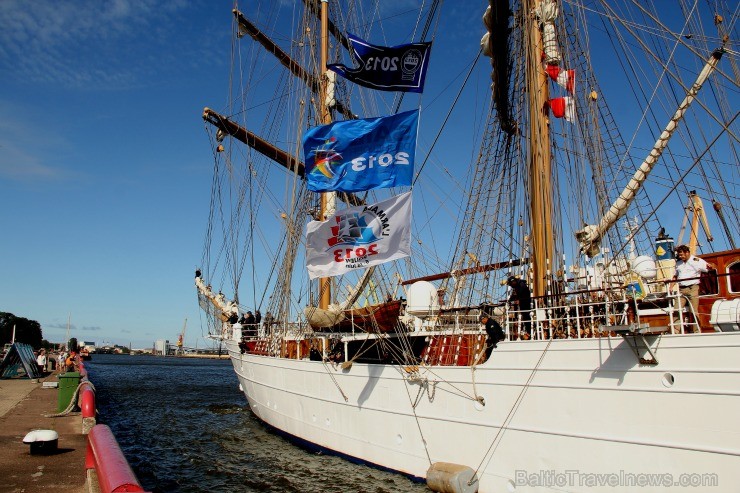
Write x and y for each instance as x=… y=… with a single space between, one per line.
x=68 y=383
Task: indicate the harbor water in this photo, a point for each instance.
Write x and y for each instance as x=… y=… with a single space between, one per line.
x=183 y=425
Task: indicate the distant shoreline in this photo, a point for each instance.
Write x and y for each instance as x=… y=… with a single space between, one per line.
x=203 y=356
x=225 y=355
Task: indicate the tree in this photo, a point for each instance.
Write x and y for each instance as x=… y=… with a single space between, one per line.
x=48 y=345
x=26 y=331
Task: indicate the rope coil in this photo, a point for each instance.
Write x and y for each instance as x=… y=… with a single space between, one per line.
x=72 y=401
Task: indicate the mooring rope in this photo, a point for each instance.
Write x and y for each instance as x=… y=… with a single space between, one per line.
x=333 y=379
x=491 y=449
x=72 y=401
x=416 y=417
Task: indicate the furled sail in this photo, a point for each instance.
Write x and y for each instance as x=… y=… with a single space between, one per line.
x=590 y=235
x=226 y=309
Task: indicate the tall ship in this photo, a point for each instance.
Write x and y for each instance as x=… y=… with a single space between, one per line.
x=495 y=291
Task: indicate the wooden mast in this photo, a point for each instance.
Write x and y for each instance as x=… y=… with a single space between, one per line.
x=312 y=81
x=539 y=157
x=325 y=115
x=288 y=161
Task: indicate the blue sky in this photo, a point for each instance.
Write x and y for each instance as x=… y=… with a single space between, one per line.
x=105 y=166
x=102 y=161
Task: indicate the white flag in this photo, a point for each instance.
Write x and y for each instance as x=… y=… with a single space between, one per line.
x=359 y=237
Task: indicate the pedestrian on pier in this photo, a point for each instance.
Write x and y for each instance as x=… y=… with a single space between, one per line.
x=41 y=360
x=72 y=363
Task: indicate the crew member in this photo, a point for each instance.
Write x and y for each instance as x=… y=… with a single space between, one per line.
x=521 y=298
x=688 y=271
x=494 y=333
x=249 y=324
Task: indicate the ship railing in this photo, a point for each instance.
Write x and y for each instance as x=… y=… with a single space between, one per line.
x=453 y=321
x=678 y=306
x=590 y=313
x=573 y=318
x=573 y=315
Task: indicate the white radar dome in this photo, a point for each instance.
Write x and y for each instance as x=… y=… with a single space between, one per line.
x=422 y=299
x=645 y=267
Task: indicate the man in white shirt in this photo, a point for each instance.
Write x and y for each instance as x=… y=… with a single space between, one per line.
x=688 y=270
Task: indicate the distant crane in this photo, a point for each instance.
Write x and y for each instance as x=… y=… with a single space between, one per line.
x=181 y=338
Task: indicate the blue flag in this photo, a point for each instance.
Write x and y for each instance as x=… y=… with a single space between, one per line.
x=396 y=68
x=357 y=155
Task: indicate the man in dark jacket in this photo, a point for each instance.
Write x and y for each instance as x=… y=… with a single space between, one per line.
x=249 y=325
x=494 y=332
x=521 y=300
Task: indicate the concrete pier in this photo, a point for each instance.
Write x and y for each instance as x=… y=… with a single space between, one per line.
x=23 y=406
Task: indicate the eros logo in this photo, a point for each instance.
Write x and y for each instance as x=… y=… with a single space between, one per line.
x=362 y=163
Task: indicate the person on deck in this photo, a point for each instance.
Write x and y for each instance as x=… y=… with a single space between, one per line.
x=521 y=299
x=689 y=269
x=314 y=354
x=494 y=333
x=266 y=327
x=249 y=325
x=336 y=355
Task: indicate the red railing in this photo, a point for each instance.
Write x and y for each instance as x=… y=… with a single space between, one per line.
x=111 y=467
x=87 y=402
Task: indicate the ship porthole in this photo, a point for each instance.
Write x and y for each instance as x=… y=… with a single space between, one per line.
x=510 y=486
x=668 y=380
x=480 y=404
x=399 y=439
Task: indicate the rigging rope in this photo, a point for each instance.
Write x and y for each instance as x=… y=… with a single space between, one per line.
x=673 y=188
x=333 y=379
x=430 y=16
x=512 y=412
x=447 y=117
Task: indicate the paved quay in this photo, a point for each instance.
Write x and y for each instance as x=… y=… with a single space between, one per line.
x=23 y=406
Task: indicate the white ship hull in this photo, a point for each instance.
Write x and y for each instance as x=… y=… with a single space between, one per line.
x=589 y=418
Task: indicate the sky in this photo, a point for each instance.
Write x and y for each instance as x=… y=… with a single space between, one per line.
x=103 y=158
x=105 y=166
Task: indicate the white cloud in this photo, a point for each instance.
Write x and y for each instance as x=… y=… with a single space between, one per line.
x=75 y=43
x=25 y=144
